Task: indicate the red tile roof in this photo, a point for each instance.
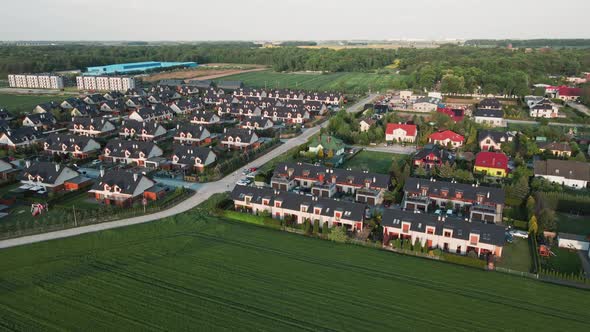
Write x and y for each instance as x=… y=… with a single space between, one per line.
x=408 y=128
x=492 y=159
x=456 y=114
x=446 y=134
x=569 y=92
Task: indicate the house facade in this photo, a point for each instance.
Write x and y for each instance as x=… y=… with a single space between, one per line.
x=46 y=175
x=240 y=139
x=492 y=140
x=491 y=163
x=395 y=132
x=74 y=146
x=476 y=202
x=130 y=152
x=489 y=117
x=195 y=158
x=194 y=134
x=120 y=188
x=574 y=174
x=447 y=138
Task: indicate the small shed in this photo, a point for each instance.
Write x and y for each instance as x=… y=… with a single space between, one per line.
x=573 y=241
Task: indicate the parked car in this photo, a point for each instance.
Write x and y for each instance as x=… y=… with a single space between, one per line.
x=520 y=234
x=96 y=162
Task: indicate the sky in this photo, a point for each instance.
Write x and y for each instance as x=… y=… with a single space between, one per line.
x=194 y=20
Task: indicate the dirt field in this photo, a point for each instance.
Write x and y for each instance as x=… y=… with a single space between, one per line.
x=206 y=72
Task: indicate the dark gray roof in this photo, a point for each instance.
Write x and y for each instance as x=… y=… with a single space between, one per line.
x=491 y=113
x=187 y=154
x=492 y=103
x=569 y=169
x=139 y=126
x=495 y=135
x=97 y=122
x=117 y=148
x=442 y=154
x=23 y=134
x=470 y=192
x=245 y=135
x=358 y=178
x=292 y=201
x=42 y=118
x=56 y=141
x=196 y=130
x=122 y=179
x=47 y=170
x=488 y=233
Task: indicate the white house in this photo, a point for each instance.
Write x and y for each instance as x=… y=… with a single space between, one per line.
x=575 y=174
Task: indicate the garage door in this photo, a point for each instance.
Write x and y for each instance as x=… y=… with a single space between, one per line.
x=476 y=216
x=410 y=206
x=371 y=200
x=489 y=218
x=325 y=193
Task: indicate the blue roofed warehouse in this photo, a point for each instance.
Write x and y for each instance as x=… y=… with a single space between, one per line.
x=135 y=67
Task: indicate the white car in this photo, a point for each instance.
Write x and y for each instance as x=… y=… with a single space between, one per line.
x=520 y=234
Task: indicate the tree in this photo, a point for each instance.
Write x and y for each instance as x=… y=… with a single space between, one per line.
x=546 y=220
x=452 y=84
x=321 y=153
x=446 y=171
x=580 y=157
x=325 y=229
x=338 y=234
x=420 y=171
x=533 y=226
x=530 y=206
x=307 y=227
x=316 y=227
x=417 y=245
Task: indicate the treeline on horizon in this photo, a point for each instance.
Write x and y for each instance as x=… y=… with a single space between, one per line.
x=456 y=68
x=532 y=43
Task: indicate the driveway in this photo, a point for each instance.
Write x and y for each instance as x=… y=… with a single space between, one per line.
x=204 y=191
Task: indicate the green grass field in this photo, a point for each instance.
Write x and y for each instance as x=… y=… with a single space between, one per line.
x=195 y=272
x=378 y=162
x=565 y=261
x=516 y=256
x=25 y=103
x=345 y=82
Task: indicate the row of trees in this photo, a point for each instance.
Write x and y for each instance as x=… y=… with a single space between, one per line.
x=456 y=69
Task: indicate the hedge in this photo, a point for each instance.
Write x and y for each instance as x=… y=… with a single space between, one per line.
x=463 y=260
x=564 y=202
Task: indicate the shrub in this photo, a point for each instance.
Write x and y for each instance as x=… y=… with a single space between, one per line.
x=325 y=229
x=338 y=234
x=316 y=227
x=464 y=260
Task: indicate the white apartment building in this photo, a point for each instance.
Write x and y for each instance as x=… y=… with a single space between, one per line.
x=36 y=81
x=105 y=83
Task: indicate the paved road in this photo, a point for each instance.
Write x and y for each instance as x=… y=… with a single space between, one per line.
x=203 y=193
x=580 y=107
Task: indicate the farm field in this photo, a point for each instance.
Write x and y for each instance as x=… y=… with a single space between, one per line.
x=25 y=103
x=196 y=272
x=378 y=162
x=345 y=82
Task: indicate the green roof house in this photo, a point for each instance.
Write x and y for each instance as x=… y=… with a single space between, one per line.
x=327 y=143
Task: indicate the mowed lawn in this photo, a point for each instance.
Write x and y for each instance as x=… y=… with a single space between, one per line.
x=25 y=103
x=196 y=272
x=516 y=256
x=378 y=162
x=345 y=82
x=568 y=223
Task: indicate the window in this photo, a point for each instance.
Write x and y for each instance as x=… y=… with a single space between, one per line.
x=447 y=234
x=473 y=239
x=406 y=228
x=430 y=230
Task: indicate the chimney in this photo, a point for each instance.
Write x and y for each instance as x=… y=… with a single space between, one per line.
x=57 y=167
x=134 y=177
x=101 y=172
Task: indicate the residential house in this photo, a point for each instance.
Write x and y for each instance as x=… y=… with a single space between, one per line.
x=447 y=138
x=366 y=124
x=91 y=127
x=154 y=113
x=490 y=117
x=491 y=163
x=544 y=108
x=256 y=123
x=287 y=115
x=185 y=106
x=120 y=188
x=326 y=182
x=574 y=174
x=493 y=140
x=238 y=138
x=327 y=144
x=455 y=236
x=203 y=117
x=142 y=131
x=116 y=106
x=426 y=104
x=287 y=205
x=7 y=171
x=472 y=201
x=397 y=132
x=192 y=157
x=490 y=104
x=20 y=137
x=568 y=94
x=70 y=103
x=431 y=157
x=131 y=152
x=188 y=133
x=47 y=107
x=573 y=241
x=46 y=176
x=40 y=120
x=74 y=146
x=558 y=149
x=457 y=114
x=85 y=110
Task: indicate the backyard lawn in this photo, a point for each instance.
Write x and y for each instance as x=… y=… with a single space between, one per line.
x=378 y=162
x=565 y=261
x=344 y=82
x=196 y=272
x=25 y=103
x=516 y=256
x=568 y=223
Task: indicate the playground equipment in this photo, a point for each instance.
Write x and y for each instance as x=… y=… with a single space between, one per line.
x=37 y=209
x=545 y=251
